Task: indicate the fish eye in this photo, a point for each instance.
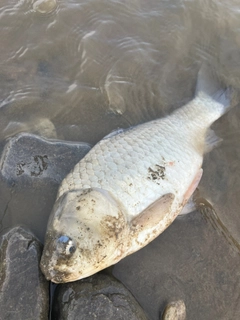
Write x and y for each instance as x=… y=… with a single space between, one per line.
x=70 y=248
x=66 y=245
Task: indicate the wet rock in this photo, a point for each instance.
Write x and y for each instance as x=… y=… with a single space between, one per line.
x=220 y=183
x=190 y=261
x=43 y=127
x=99 y=297
x=26 y=156
x=31 y=171
x=175 y=310
x=23 y=288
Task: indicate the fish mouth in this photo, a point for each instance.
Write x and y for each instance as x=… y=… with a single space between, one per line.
x=49 y=266
x=57 y=276
x=57 y=279
x=64 y=277
x=51 y=273
x=61 y=273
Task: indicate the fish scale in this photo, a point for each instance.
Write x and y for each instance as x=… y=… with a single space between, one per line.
x=148 y=146
x=130 y=187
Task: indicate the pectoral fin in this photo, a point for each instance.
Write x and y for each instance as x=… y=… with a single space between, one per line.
x=153 y=214
x=151 y=222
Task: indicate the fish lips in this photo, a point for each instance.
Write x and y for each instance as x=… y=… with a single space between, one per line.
x=52 y=274
x=56 y=276
x=48 y=264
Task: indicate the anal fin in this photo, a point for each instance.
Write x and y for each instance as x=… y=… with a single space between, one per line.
x=189 y=207
x=189 y=202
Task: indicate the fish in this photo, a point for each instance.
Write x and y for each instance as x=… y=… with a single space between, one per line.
x=131 y=186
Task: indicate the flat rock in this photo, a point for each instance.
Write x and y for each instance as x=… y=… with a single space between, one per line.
x=190 y=261
x=31 y=170
x=221 y=171
x=26 y=156
x=23 y=288
x=99 y=297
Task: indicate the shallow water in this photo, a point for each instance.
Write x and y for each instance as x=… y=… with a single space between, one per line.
x=86 y=68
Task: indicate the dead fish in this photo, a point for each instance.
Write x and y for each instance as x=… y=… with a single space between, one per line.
x=130 y=187
x=175 y=310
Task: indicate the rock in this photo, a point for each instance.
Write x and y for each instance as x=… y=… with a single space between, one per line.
x=175 y=310
x=26 y=156
x=44 y=6
x=99 y=297
x=220 y=183
x=31 y=171
x=40 y=126
x=23 y=288
x=190 y=261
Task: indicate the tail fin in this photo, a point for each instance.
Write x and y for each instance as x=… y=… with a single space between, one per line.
x=209 y=86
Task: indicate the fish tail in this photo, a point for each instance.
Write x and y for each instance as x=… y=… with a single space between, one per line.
x=211 y=88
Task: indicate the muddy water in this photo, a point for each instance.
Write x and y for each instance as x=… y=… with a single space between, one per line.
x=75 y=70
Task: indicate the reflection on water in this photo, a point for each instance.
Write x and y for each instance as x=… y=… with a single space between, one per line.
x=75 y=70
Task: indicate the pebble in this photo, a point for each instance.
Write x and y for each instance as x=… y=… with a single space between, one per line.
x=175 y=310
x=44 y=6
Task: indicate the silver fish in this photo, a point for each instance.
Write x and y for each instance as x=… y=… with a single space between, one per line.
x=130 y=187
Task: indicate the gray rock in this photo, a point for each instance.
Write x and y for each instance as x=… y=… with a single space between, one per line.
x=43 y=127
x=23 y=288
x=99 y=297
x=26 y=156
x=190 y=261
x=31 y=171
x=220 y=183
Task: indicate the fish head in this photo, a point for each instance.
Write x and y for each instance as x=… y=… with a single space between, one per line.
x=86 y=232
